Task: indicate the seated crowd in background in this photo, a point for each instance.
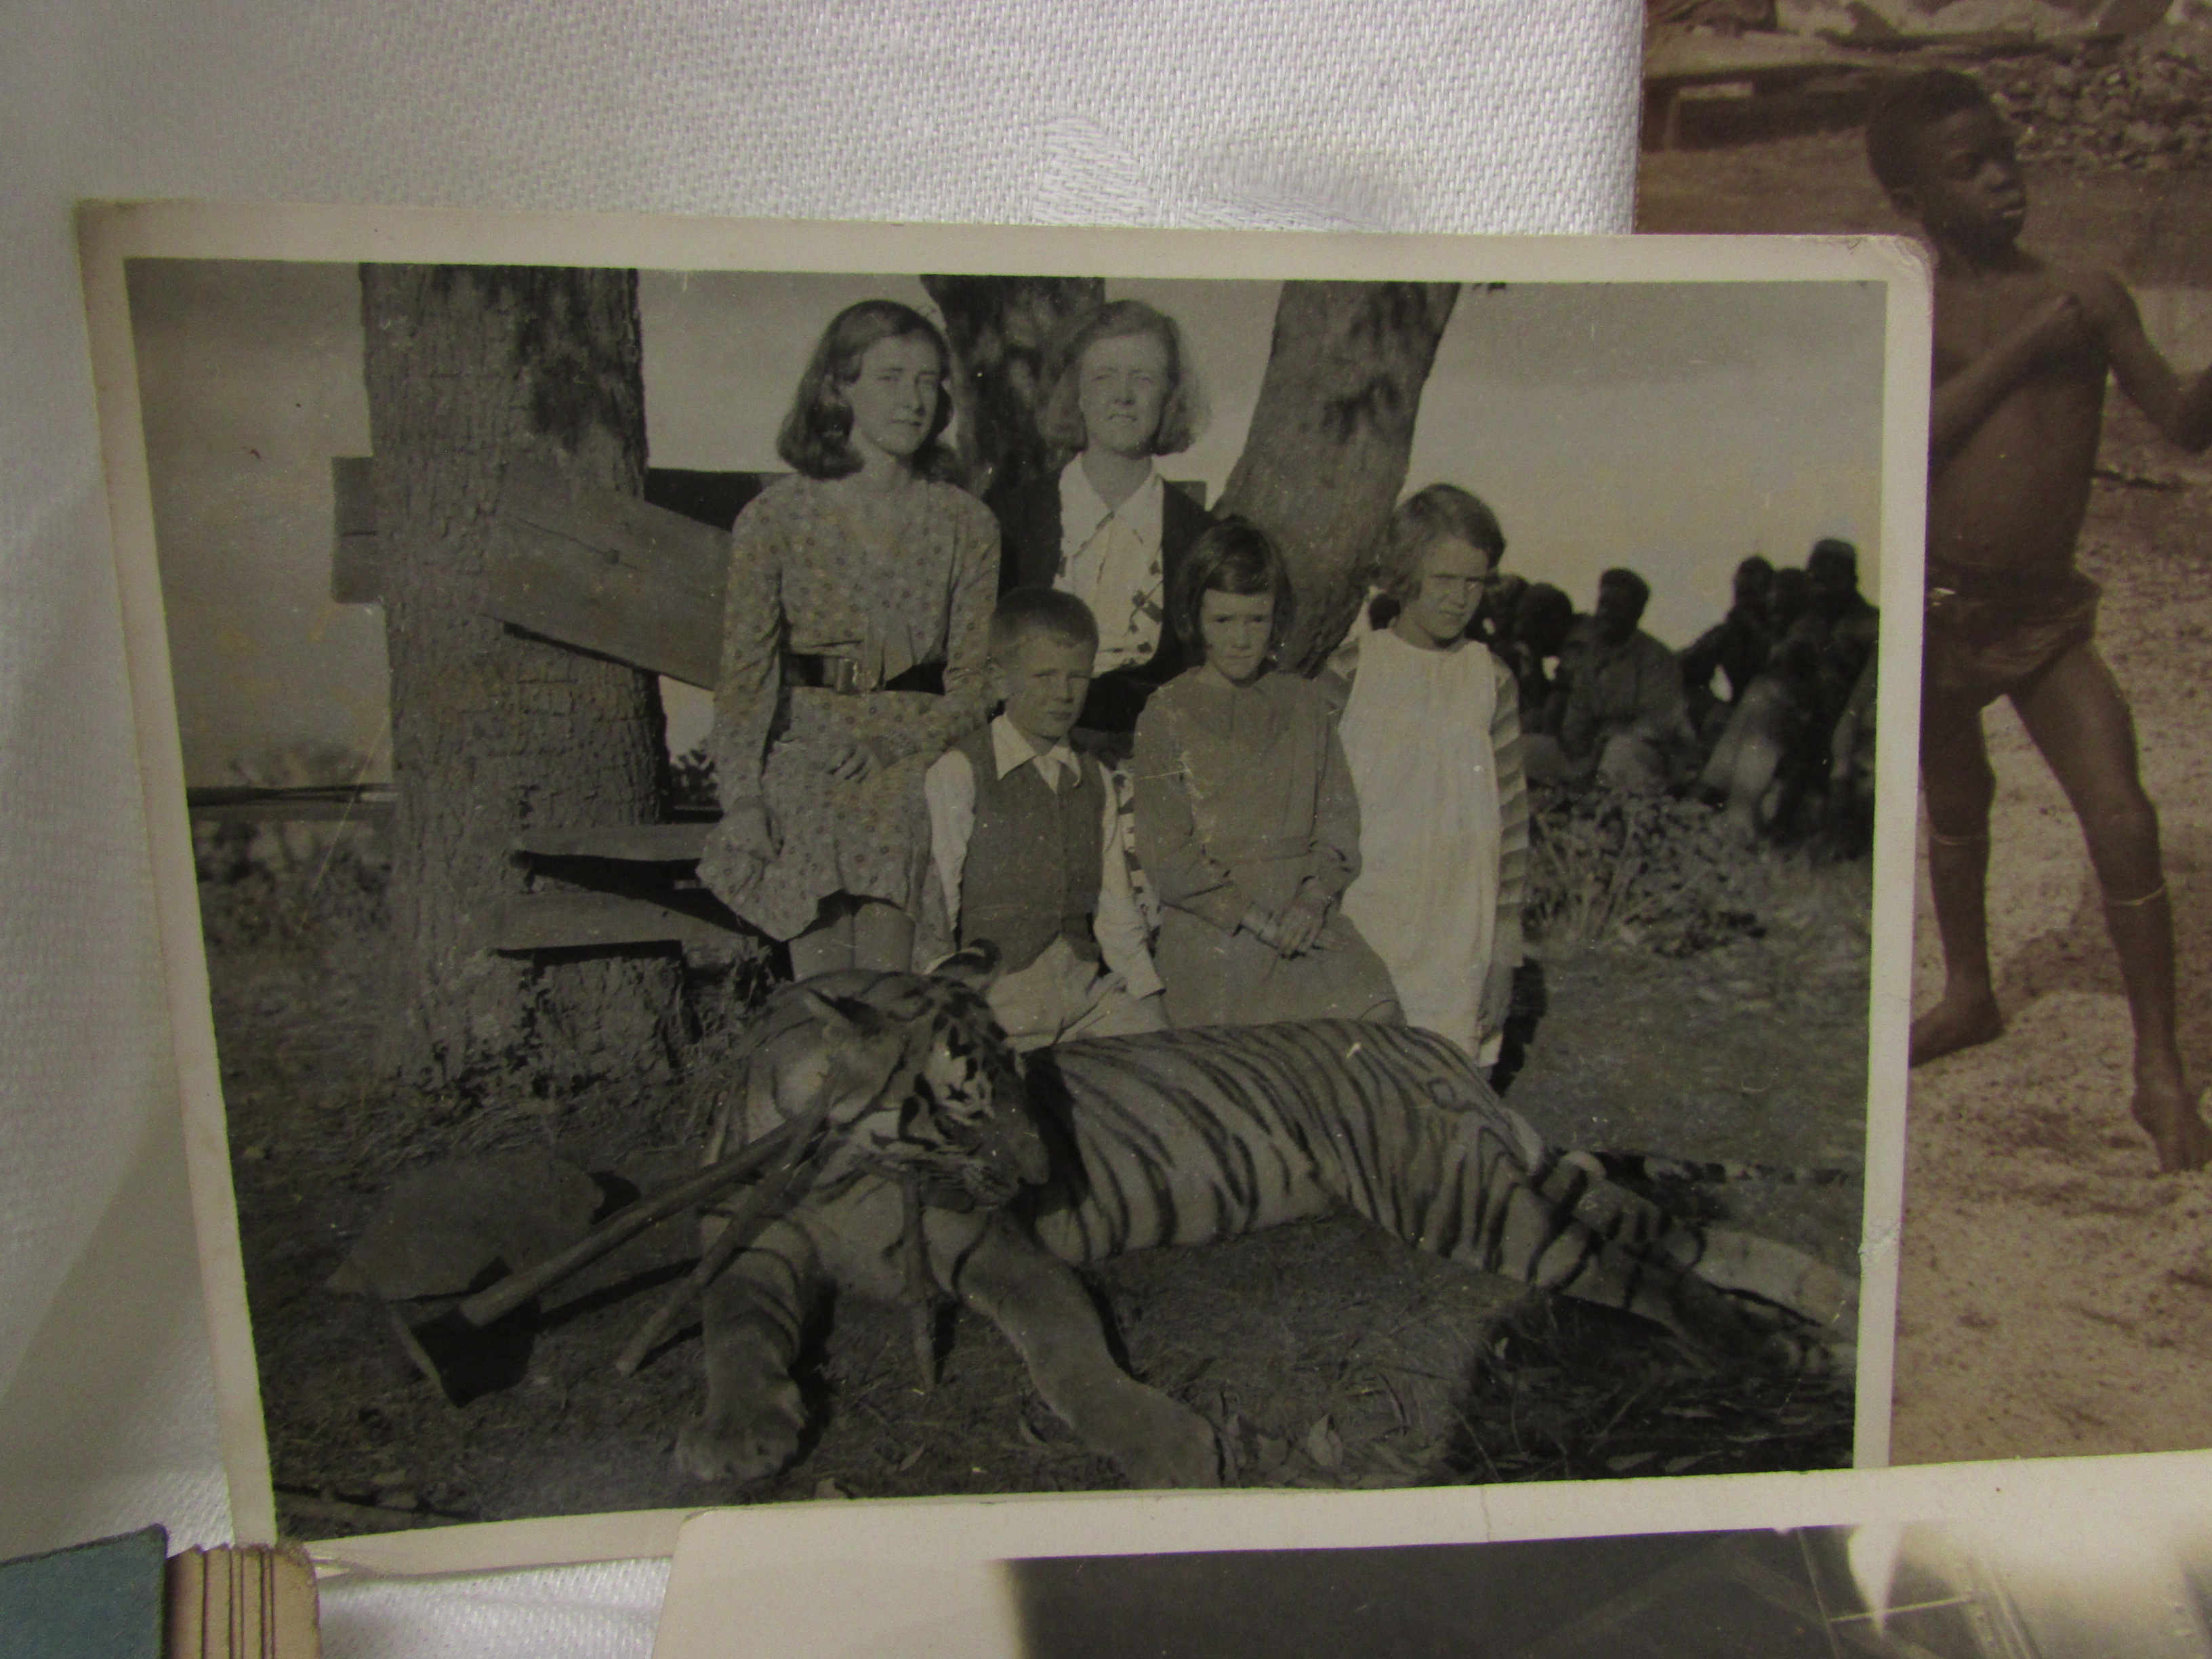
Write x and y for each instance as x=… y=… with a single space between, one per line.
x=1784 y=744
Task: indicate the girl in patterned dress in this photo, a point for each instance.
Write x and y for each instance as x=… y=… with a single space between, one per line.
x=855 y=650
x=1432 y=730
x=1246 y=818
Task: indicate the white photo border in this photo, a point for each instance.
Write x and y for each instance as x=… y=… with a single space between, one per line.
x=110 y=235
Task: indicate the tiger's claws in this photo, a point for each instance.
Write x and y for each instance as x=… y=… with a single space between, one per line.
x=747 y=1440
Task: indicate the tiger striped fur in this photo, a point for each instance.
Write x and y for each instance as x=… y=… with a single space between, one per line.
x=1175 y=1138
x=1646 y=1166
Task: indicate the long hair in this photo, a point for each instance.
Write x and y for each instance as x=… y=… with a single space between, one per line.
x=817 y=436
x=1230 y=556
x=1060 y=417
x=1443 y=512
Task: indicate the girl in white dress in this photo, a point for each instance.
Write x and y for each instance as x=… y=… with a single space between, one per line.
x=1432 y=734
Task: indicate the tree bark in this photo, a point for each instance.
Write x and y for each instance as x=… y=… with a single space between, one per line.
x=998 y=328
x=469 y=368
x=1326 y=456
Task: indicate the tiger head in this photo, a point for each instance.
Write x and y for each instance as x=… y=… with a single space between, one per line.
x=925 y=1085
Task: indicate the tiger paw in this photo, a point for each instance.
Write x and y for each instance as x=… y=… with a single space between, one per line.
x=751 y=1439
x=1160 y=1443
x=1805 y=1353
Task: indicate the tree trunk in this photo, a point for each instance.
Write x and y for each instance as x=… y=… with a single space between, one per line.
x=998 y=328
x=1326 y=456
x=468 y=368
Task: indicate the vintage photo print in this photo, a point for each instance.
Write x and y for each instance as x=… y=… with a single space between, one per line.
x=2096 y=1556
x=770 y=815
x=2057 y=1295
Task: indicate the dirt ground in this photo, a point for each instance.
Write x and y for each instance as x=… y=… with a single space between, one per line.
x=1328 y=1353
x=2056 y=1294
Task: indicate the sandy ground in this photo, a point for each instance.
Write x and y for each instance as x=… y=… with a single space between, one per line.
x=2056 y=1294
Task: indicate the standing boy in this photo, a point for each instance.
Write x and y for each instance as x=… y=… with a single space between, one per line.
x=2022 y=350
x=1025 y=837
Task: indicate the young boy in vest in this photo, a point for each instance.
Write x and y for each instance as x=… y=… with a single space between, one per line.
x=1024 y=836
x=2023 y=348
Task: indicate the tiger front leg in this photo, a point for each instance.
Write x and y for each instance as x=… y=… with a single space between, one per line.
x=1037 y=1301
x=749 y=1426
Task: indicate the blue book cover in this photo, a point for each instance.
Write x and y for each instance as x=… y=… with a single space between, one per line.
x=100 y=1600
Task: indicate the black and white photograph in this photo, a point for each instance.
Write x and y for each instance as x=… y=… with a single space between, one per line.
x=1864 y=1592
x=822 y=873
x=1903 y=1567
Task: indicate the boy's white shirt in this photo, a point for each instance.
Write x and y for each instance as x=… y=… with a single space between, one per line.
x=949 y=788
x=1107 y=556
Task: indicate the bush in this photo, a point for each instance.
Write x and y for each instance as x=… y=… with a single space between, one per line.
x=305 y=887
x=1646 y=870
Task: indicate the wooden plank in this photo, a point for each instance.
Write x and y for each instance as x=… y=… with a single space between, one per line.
x=566 y=921
x=646 y=843
x=356 y=557
x=607 y=573
x=711 y=498
x=295 y=811
x=309 y=803
x=1677 y=59
x=714 y=499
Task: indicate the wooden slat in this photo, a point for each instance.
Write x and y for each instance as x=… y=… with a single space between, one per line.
x=648 y=843
x=558 y=922
x=293 y=812
x=356 y=557
x=608 y=573
x=711 y=498
x=304 y=804
x=1682 y=60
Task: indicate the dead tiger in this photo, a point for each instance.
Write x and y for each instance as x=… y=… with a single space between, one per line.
x=1177 y=1138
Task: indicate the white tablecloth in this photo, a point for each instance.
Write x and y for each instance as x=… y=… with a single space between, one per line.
x=1377 y=114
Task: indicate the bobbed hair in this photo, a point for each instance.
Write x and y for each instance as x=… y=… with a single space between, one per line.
x=1022 y=611
x=1060 y=419
x=817 y=436
x=1906 y=105
x=1756 y=567
x=1230 y=556
x=1440 y=513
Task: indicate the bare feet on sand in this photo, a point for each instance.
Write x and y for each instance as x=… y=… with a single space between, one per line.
x=2166 y=1110
x=1957 y=1022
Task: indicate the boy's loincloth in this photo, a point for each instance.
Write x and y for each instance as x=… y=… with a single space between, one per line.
x=1985 y=639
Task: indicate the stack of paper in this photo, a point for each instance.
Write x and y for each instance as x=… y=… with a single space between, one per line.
x=242 y=1603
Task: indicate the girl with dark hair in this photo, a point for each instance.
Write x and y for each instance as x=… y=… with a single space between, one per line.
x=1432 y=734
x=855 y=650
x=1246 y=819
x=1106 y=528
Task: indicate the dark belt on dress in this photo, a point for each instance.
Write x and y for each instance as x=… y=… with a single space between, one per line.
x=842 y=675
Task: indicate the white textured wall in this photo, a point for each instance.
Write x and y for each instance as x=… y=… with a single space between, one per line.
x=1490 y=115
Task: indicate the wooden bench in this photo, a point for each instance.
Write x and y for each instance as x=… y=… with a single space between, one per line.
x=1675 y=60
